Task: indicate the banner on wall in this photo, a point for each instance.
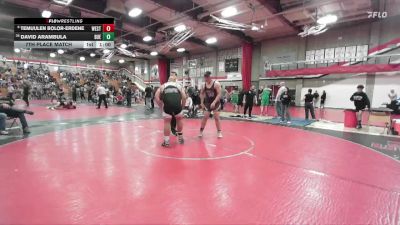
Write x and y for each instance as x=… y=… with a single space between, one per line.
x=232 y=65
x=337 y=69
x=154 y=73
x=221 y=66
x=234 y=76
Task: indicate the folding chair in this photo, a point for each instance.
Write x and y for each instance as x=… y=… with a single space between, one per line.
x=14 y=122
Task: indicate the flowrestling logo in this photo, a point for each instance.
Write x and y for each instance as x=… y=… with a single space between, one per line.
x=390 y=146
x=379 y=15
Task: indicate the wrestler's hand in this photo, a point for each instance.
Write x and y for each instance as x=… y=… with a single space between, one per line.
x=212 y=106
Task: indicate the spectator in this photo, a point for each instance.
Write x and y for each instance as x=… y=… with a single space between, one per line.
x=235 y=100
x=250 y=99
x=392 y=96
x=149 y=95
x=241 y=97
x=26 y=92
x=316 y=98
x=223 y=97
x=323 y=99
x=285 y=100
x=152 y=98
x=265 y=95
x=10 y=91
x=3 y=118
x=308 y=104
x=16 y=113
x=361 y=102
x=128 y=94
x=278 y=103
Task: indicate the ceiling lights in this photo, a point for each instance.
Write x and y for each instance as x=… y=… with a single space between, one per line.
x=107 y=61
x=63 y=2
x=92 y=54
x=211 y=40
x=328 y=19
x=60 y=51
x=121 y=61
x=180 y=28
x=46 y=14
x=313 y=30
x=123 y=45
x=17 y=50
x=106 y=51
x=147 y=38
x=180 y=49
x=82 y=58
x=229 y=12
x=135 y=12
x=153 y=53
x=52 y=55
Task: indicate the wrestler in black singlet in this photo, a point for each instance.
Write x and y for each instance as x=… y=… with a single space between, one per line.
x=210 y=95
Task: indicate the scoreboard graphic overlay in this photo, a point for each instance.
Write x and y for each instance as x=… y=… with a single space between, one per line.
x=64 y=33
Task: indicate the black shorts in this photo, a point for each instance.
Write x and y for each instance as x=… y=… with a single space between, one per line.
x=173 y=110
x=360 y=108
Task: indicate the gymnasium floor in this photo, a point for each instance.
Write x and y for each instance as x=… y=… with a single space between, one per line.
x=89 y=166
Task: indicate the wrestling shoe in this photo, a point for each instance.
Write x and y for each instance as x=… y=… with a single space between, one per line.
x=26 y=130
x=165 y=144
x=180 y=139
x=29 y=112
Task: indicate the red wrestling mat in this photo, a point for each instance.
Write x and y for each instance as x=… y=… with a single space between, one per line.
x=257 y=174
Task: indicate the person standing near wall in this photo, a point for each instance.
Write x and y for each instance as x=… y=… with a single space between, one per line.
x=82 y=92
x=223 y=97
x=148 y=96
x=74 y=92
x=152 y=99
x=265 y=95
x=235 y=100
x=323 y=99
x=10 y=91
x=250 y=99
x=308 y=104
x=316 y=98
x=285 y=100
x=278 y=103
x=361 y=101
x=240 y=99
x=26 y=89
x=392 y=96
x=128 y=95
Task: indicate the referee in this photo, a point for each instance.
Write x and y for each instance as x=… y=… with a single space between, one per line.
x=101 y=92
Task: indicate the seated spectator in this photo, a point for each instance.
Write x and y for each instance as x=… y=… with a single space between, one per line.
x=16 y=113
x=189 y=106
x=119 y=99
x=3 y=118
